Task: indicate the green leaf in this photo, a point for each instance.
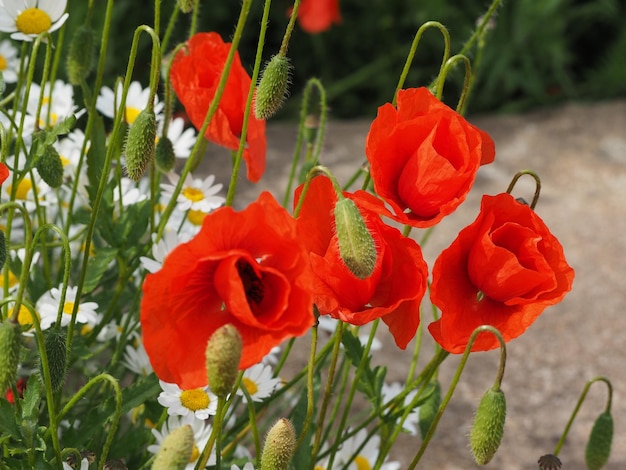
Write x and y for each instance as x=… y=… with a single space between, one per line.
x=140 y=391
x=32 y=398
x=97 y=267
x=133 y=223
x=8 y=425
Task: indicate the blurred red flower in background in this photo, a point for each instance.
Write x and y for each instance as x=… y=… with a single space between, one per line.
x=316 y=16
x=245 y=268
x=21 y=386
x=502 y=270
x=394 y=290
x=4 y=173
x=424 y=157
x=195 y=75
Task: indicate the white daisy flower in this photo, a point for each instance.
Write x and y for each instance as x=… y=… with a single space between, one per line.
x=26 y=19
x=9 y=61
x=198 y=402
x=26 y=189
x=58 y=103
x=389 y=392
x=84 y=465
x=365 y=457
x=271 y=359
x=130 y=192
x=201 y=434
x=247 y=466
x=258 y=382
x=49 y=303
x=137 y=360
x=196 y=194
x=161 y=249
x=182 y=139
x=136 y=101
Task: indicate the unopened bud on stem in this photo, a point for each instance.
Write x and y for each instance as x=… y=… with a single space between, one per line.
x=488 y=426
x=356 y=244
x=176 y=449
x=279 y=447
x=140 y=146
x=272 y=88
x=9 y=353
x=223 y=353
x=599 y=444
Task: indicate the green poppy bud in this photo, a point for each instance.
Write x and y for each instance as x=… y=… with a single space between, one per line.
x=272 y=88
x=428 y=410
x=488 y=427
x=50 y=167
x=279 y=447
x=164 y=154
x=186 y=6
x=223 y=353
x=9 y=353
x=56 y=350
x=80 y=55
x=176 y=450
x=599 y=443
x=140 y=146
x=356 y=244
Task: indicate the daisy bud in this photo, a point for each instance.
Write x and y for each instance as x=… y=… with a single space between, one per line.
x=272 y=88
x=140 y=147
x=80 y=54
x=3 y=249
x=280 y=446
x=428 y=410
x=56 y=349
x=9 y=353
x=599 y=444
x=488 y=428
x=176 y=449
x=223 y=353
x=186 y=6
x=164 y=154
x=356 y=244
x=50 y=167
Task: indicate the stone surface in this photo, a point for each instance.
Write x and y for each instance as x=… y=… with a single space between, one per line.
x=580 y=153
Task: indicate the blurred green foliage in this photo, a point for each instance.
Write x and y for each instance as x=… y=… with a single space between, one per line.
x=538 y=52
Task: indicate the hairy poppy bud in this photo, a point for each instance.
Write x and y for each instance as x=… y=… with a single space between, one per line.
x=80 y=54
x=50 y=167
x=56 y=350
x=9 y=353
x=176 y=450
x=164 y=154
x=272 y=88
x=428 y=410
x=488 y=427
x=279 y=447
x=186 y=5
x=223 y=353
x=140 y=147
x=356 y=244
x=599 y=443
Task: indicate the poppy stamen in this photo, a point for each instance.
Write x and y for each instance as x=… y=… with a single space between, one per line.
x=252 y=284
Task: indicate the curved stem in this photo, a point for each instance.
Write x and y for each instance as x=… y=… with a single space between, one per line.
x=535 y=176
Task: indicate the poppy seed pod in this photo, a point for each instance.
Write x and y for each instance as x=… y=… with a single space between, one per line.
x=56 y=351
x=164 y=154
x=80 y=55
x=599 y=443
x=223 y=353
x=176 y=450
x=356 y=244
x=140 y=146
x=50 y=167
x=488 y=427
x=9 y=353
x=279 y=447
x=272 y=88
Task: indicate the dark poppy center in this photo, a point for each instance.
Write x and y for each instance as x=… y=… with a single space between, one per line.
x=252 y=284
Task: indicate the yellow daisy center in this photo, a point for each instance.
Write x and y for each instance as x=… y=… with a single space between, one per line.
x=86 y=329
x=3 y=63
x=64 y=160
x=23 y=188
x=13 y=280
x=194 y=400
x=68 y=308
x=193 y=194
x=33 y=21
x=362 y=463
x=24 y=317
x=131 y=114
x=250 y=385
x=196 y=217
x=318 y=467
x=195 y=453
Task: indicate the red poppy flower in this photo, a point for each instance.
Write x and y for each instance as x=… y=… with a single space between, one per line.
x=394 y=290
x=245 y=268
x=424 y=157
x=195 y=74
x=315 y=16
x=21 y=386
x=4 y=173
x=502 y=270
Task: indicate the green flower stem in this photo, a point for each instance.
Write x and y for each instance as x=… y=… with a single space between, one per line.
x=535 y=176
x=252 y=418
x=157 y=17
x=196 y=12
x=416 y=350
x=480 y=31
x=363 y=169
x=451 y=62
x=318 y=169
x=312 y=154
x=581 y=399
x=455 y=381
x=195 y=154
x=411 y=55
x=116 y=415
x=230 y=196
x=292 y=22
x=309 y=388
x=284 y=356
x=170 y=28
x=215 y=438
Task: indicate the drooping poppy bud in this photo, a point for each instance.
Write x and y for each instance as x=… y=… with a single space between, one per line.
x=356 y=244
x=279 y=447
x=9 y=353
x=56 y=350
x=272 y=88
x=223 y=353
x=50 y=167
x=488 y=427
x=599 y=443
x=80 y=55
x=140 y=146
x=176 y=449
